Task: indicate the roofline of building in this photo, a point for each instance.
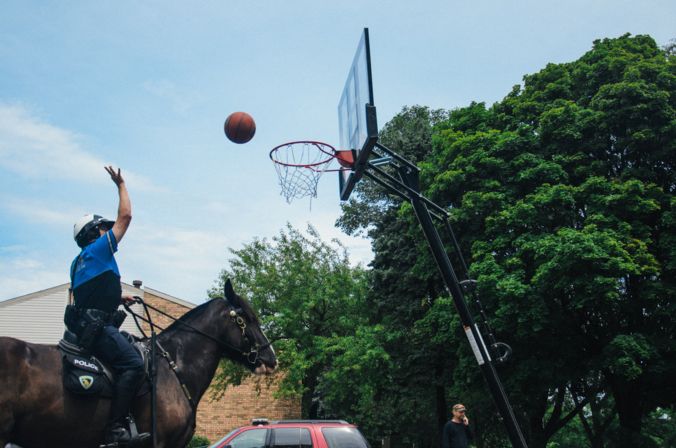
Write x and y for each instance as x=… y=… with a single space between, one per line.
x=65 y=286
x=165 y=296
x=32 y=295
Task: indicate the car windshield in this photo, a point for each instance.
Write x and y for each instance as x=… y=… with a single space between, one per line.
x=224 y=438
x=344 y=438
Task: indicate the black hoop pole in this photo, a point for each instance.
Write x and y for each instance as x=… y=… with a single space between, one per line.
x=410 y=179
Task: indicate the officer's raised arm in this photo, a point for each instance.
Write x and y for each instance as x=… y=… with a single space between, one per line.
x=124 y=208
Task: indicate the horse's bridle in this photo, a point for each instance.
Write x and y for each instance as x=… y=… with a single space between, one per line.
x=251 y=355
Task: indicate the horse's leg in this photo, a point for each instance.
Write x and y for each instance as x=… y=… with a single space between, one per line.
x=6 y=423
x=6 y=419
x=5 y=428
x=12 y=352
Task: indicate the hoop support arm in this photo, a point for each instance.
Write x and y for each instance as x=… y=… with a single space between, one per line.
x=440 y=214
x=396 y=156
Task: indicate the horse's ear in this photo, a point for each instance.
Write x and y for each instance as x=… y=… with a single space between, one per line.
x=230 y=293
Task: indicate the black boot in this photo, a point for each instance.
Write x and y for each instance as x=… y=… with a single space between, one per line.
x=126 y=385
x=125 y=389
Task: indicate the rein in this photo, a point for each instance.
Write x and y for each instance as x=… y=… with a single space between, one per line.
x=234 y=315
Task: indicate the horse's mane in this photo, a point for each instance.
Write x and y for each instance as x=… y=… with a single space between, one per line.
x=195 y=312
x=248 y=310
x=201 y=309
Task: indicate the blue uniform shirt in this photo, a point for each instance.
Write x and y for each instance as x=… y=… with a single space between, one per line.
x=95 y=277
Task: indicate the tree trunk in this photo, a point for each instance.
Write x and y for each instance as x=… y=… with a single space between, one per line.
x=310 y=409
x=536 y=413
x=627 y=395
x=441 y=406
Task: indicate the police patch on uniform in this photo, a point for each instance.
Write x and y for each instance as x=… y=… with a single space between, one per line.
x=86 y=381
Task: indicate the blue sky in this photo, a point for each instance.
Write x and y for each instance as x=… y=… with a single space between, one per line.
x=147 y=85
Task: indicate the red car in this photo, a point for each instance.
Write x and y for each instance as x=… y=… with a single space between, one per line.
x=294 y=434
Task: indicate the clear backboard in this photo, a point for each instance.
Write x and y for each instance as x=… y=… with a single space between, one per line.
x=357 y=122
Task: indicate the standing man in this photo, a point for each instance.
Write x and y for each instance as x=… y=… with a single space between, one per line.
x=97 y=293
x=456 y=432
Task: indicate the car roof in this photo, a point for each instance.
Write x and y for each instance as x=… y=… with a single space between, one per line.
x=264 y=423
x=261 y=423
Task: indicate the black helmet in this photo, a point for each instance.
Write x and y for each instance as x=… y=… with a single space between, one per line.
x=85 y=229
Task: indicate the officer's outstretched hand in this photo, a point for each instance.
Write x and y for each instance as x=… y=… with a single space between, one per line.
x=116 y=176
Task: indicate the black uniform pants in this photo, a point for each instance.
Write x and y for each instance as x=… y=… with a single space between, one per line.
x=117 y=352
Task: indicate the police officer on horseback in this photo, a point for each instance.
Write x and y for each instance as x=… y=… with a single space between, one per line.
x=97 y=293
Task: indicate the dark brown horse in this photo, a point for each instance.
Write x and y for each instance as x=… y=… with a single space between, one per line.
x=35 y=410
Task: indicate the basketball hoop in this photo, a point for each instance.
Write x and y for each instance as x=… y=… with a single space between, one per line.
x=300 y=164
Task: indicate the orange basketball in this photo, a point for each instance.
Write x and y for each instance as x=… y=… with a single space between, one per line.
x=345 y=158
x=239 y=127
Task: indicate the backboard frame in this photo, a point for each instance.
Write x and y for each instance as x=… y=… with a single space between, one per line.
x=357 y=120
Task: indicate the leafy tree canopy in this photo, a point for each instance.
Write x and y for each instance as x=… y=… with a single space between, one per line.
x=308 y=297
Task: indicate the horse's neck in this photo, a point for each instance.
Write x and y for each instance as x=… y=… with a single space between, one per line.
x=195 y=355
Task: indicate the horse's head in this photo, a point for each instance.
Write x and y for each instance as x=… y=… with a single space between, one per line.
x=255 y=351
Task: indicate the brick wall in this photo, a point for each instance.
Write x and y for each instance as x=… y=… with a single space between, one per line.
x=238 y=405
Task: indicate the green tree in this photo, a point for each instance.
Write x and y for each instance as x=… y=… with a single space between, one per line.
x=351 y=388
x=564 y=196
x=308 y=298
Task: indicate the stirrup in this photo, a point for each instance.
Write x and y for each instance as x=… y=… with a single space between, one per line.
x=136 y=439
x=140 y=440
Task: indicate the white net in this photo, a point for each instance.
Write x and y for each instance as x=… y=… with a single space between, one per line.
x=299 y=166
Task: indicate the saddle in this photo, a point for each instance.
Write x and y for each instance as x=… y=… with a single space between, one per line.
x=86 y=375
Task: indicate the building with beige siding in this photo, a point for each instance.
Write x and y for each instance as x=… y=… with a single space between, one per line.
x=38 y=318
